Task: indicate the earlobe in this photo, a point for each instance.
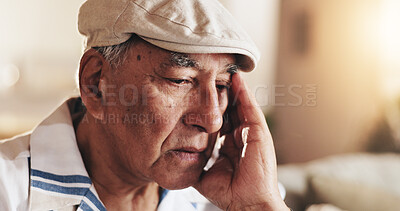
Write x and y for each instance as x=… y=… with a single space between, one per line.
x=91 y=70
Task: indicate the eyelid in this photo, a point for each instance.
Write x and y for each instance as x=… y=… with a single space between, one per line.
x=226 y=84
x=180 y=81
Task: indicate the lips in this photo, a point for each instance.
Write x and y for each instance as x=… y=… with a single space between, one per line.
x=190 y=149
x=189 y=154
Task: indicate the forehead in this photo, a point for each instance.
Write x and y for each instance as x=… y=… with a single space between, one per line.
x=146 y=51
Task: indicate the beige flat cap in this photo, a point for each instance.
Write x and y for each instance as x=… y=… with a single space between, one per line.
x=186 y=26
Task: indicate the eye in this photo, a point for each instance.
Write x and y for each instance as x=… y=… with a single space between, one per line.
x=179 y=81
x=223 y=86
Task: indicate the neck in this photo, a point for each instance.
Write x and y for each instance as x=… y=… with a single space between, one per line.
x=117 y=188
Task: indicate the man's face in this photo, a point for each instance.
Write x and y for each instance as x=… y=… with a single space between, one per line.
x=163 y=112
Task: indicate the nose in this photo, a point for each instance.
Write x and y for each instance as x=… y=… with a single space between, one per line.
x=206 y=109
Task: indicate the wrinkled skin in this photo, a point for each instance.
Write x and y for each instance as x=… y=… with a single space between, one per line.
x=151 y=121
x=249 y=182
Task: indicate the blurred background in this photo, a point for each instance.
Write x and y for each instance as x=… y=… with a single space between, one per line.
x=328 y=83
x=328 y=80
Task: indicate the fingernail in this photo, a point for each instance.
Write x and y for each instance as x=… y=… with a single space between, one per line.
x=220 y=141
x=245 y=133
x=244 y=150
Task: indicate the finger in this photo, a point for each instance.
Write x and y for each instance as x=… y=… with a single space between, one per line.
x=216 y=180
x=233 y=122
x=230 y=150
x=260 y=146
x=246 y=105
x=231 y=118
x=235 y=127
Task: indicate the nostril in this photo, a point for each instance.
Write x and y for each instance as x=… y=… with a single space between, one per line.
x=200 y=128
x=196 y=123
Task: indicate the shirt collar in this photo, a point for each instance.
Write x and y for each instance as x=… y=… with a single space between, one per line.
x=58 y=175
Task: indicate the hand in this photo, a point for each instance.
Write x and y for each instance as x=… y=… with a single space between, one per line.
x=249 y=182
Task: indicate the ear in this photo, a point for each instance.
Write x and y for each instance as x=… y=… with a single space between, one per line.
x=91 y=71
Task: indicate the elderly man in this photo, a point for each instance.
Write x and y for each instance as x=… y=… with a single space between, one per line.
x=159 y=87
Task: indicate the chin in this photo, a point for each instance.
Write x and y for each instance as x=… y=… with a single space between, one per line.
x=179 y=181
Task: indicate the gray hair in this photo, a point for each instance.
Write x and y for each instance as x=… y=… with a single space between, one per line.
x=116 y=54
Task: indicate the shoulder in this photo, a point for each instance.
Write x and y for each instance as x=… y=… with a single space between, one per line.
x=14 y=173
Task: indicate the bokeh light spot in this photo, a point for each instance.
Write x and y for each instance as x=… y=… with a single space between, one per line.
x=9 y=76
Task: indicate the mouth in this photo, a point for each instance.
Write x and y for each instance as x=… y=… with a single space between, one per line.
x=190 y=150
x=189 y=154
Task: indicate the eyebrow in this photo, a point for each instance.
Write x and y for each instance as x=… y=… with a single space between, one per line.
x=232 y=68
x=184 y=60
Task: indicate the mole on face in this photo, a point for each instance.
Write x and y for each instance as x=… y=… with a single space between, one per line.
x=138 y=57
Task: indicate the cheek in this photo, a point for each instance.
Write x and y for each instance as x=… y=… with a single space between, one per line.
x=163 y=100
x=129 y=95
x=150 y=112
x=154 y=96
x=153 y=110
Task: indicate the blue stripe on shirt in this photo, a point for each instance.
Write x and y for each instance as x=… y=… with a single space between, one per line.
x=58 y=188
x=89 y=195
x=85 y=207
x=61 y=178
x=163 y=195
x=71 y=191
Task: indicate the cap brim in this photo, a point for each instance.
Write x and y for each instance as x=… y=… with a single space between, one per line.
x=245 y=60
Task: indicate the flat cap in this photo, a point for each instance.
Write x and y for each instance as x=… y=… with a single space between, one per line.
x=185 y=26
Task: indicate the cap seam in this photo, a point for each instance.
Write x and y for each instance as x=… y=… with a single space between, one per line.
x=116 y=20
x=181 y=24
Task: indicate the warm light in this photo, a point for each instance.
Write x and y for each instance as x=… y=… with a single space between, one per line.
x=390 y=28
x=9 y=76
x=390 y=46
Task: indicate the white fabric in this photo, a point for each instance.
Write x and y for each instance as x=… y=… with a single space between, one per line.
x=59 y=180
x=14 y=176
x=62 y=135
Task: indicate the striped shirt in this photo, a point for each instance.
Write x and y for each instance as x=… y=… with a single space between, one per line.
x=44 y=170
